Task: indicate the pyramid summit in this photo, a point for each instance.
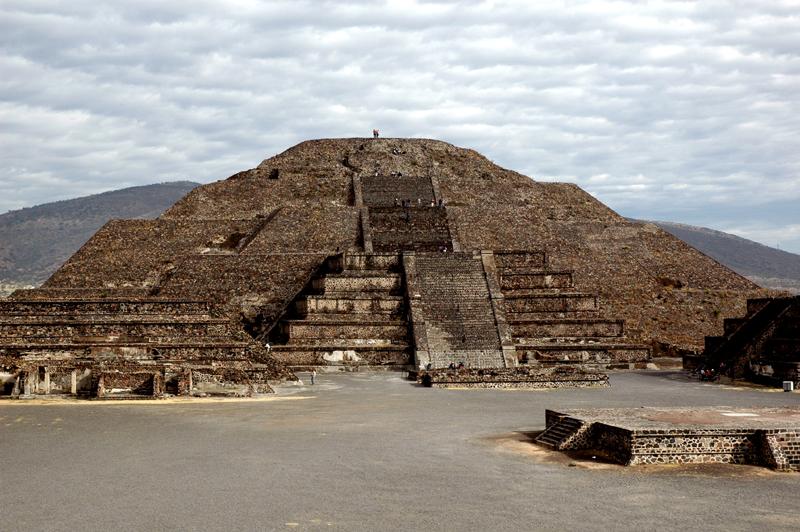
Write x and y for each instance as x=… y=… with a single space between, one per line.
x=384 y=252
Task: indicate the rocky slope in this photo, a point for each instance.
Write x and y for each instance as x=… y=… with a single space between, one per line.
x=764 y=265
x=35 y=241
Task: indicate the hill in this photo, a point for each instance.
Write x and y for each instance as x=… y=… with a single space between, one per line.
x=35 y=241
x=766 y=266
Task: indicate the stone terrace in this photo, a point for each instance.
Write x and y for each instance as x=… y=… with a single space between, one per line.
x=351 y=314
x=123 y=347
x=552 y=323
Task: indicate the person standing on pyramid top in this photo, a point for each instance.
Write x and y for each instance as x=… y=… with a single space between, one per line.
x=375 y=133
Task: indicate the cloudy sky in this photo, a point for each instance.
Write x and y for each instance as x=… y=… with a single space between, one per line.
x=679 y=111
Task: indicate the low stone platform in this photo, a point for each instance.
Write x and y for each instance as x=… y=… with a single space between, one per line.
x=519 y=377
x=759 y=436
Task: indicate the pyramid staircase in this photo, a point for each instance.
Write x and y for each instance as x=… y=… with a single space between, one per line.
x=551 y=323
x=401 y=213
x=353 y=314
x=56 y=343
x=454 y=316
x=764 y=344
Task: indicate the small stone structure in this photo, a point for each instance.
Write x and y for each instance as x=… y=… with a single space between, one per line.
x=762 y=346
x=761 y=436
x=520 y=377
x=127 y=347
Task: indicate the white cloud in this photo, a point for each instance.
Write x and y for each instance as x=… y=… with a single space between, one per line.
x=673 y=110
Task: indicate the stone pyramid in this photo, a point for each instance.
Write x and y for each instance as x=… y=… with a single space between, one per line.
x=390 y=253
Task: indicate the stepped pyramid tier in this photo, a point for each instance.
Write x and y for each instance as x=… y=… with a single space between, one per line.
x=763 y=345
x=364 y=252
x=120 y=347
x=351 y=314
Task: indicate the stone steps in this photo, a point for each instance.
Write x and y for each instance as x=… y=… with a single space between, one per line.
x=595 y=352
x=383 y=190
x=552 y=323
x=131 y=352
x=572 y=328
x=782 y=449
x=340 y=343
x=535 y=279
x=389 y=330
x=350 y=304
x=116 y=339
x=556 y=434
x=353 y=317
x=415 y=228
x=519 y=260
x=358 y=281
x=359 y=319
x=545 y=315
x=471 y=358
x=455 y=306
x=392 y=355
x=88 y=318
x=371 y=261
x=178 y=329
x=53 y=293
x=550 y=302
x=764 y=345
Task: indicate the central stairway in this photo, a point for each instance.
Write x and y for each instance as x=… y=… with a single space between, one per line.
x=352 y=314
x=452 y=310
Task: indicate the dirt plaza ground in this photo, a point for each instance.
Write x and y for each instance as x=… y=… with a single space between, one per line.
x=368 y=451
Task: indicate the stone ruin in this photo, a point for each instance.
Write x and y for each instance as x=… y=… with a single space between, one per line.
x=356 y=253
x=762 y=346
x=768 y=437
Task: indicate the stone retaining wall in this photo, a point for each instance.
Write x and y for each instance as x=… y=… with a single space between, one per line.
x=512 y=378
x=632 y=442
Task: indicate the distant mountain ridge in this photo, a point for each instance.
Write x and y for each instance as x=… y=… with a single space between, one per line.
x=764 y=265
x=35 y=241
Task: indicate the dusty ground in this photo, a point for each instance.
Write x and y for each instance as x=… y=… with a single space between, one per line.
x=368 y=452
